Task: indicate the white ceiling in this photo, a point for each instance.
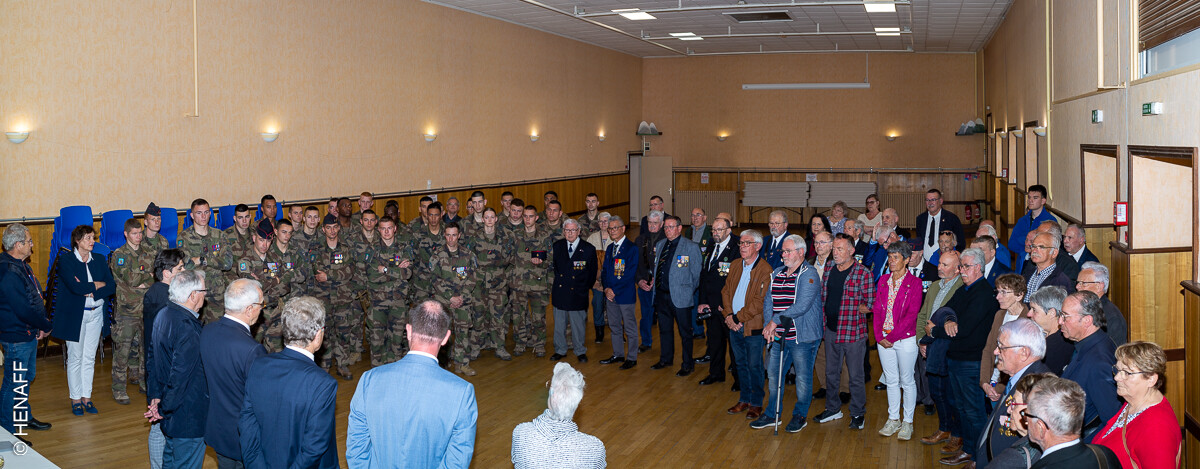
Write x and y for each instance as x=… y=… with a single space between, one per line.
x=935 y=25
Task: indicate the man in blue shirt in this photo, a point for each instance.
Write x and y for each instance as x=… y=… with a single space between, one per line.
x=1036 y=202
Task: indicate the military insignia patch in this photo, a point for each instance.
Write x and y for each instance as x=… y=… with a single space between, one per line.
x=289 y=265
x=242 y=266
x=216 y=247
x=141 y=268
x=272 y=266
x=461 y=272
x=120 y=261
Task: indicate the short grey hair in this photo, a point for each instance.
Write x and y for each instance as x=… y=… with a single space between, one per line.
x=1055 y=241
x=1055 y=228
x=241 y=294
x=183 y=284
x=1079 y=228
x=603 y=216
x=778 y=213
x=797 y=242
x=753 y=234
x=616 y=219
x=1058 y=403
x=1089 y=306
x=655 y=215
x=566 y=390
x=903 y=249
x=882 y=232
x=991 y=231
x=303 y=317
x=14 y=234
x=1025 y=333
x=1049 y=298
x=429 y=322
x=973 y=253
x=1099 y=270
x=570 y=221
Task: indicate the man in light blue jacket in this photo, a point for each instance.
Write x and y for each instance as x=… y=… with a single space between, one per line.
x=676 y=270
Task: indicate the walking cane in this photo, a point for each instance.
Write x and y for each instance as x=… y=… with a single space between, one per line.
x=779 y=384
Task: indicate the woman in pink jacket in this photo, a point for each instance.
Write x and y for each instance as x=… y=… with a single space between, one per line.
x=897 y=302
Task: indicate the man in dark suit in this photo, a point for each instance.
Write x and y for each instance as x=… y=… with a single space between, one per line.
x=712 y=279
x=179 y=396
x=772 y=248
x=861 y=247
x=992 y=267
x=620 y=287
x=1042 y=270
x=701 y=234
x=919 y=267
x=574 y=275
x=649 y=234
x=1055 y=418
x=677 y=263
x=935 y=220
x=1075 y=244
x=1093 y=277
x=287 y=417
x=435 y=401
x=1063 y=262
x=656 y=204
x=227 y=349
x=1019 y=351
x=1091 y=365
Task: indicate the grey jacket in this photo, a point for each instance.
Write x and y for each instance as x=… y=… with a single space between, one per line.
x=685 y=271
x=806 y=311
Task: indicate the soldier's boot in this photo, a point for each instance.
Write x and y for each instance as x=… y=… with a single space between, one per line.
x=465 y=369
x=121 y=397
x=344 y=372
x=503 y=354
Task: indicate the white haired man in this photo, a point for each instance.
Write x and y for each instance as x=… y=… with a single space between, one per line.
x=553 y=440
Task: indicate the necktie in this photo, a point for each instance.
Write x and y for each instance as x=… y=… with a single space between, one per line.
x=571 y=250
x=774 y=243
x=716 y=255
x=932 y=241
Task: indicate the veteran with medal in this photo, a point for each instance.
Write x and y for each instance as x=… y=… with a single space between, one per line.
x=712 y=280
x=574 y=275
x=676 y=272
x=619 y=279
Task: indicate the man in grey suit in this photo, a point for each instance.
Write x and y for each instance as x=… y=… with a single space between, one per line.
x=677 y=263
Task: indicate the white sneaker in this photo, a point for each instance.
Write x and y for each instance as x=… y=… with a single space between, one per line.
x=890 y=428
x=905 y=432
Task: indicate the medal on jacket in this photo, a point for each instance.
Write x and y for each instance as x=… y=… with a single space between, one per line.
x=723 y=268
x=338 y=259
x=681 y=261
x=580 y=265
x=461 y=272
x=619 y=267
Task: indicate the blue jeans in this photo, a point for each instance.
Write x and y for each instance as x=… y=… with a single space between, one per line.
x=17 y=356
x=943 y=399
x=748 y=352
x=801 y=355
x=646 y=304
x=598 y=302
x=968 y=397
x=183 y=453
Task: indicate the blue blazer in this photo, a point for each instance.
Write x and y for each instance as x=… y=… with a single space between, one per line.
x=774 y=257
x=73 y=285
x=226 y=349
x=806 y=311
x=287 y=417
x=1005 y=257
x=684 y=273
x=624 y=286
x=998 y=269
x=1091 y=367
x=1087 y=256
x=411 y=413
x=572 y=284
x=177 y=368
x=1025 y=224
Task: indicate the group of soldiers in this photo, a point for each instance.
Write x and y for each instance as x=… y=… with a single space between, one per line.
x=490 y=269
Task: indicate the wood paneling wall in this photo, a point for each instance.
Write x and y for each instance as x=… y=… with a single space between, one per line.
x=1191 y=404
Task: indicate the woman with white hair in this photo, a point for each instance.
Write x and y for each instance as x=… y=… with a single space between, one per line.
x=553 y=439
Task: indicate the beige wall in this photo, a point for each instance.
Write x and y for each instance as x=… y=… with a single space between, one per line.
x=105 y=86
x=922 y=97
x=1015 y=66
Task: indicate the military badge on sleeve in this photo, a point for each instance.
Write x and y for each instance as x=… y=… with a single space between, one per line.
x=120 y=261
x=242 y=266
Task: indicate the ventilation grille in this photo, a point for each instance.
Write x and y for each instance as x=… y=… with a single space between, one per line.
x=713 y=202
x=760 y=16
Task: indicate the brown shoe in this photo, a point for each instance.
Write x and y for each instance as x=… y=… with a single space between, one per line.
x=953 y=446
x=936 y=438
x=970 y=465
x=956 y=459
x=754 y=412
x=738 y=408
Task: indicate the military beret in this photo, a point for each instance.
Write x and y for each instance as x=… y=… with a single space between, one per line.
x=266 y=229
x=153 y=210
x=330 y=219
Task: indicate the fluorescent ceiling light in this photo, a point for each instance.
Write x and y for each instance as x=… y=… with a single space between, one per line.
x=805 y=86
x=691 y=38
x=887 y=31
x=634 y=14
x=880 y=7
x=682 y=34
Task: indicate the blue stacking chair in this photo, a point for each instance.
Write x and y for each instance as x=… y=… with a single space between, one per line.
x=278 y=212
x=187 y=220
x=71 y=217
x=103 y=250
x=170 y=225
x=226 y=216
x=54 y=245
x=112 y=227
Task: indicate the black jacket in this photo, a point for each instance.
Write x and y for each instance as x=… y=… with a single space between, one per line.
x=178 y=373
x=712 y=275
x=1078 y=456
x=153 y=302
x=22 y=311
x=1063 y=263
x=226 y=349
x=949 y=223
x=574 y=276
x=975 y=306
x=645 y=243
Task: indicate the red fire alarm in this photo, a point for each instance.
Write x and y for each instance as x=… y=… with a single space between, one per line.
x=1120 y=213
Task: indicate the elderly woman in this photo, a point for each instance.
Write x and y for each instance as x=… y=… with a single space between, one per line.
x=1145 y=433
x=552 y=439
x=837 y=217
x=870 y=218
x=600 y=241
x=79 y=313
x=1044 y=307
x=1022 y=454
x=897 y=301
x=1010 y=288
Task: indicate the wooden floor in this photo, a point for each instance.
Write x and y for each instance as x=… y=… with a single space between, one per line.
x=646 y=418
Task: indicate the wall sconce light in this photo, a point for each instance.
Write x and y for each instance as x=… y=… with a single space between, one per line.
x=601 y=137
x=270 y=135
x=17 y=137
x=1018 y=133
x=429 y=137
x=892 y=137
x=533 y=137
x=722 y=137
x=1002 y=134
x=1040 y=131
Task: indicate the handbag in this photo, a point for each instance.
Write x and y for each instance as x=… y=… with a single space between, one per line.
x=1100 y=459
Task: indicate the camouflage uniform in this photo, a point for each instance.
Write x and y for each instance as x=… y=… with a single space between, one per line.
x=556 y=230
x=156 y=245
x=364 y=252
x=457 y=274
x=215 y=260
x=530 y=285
x=338 y=264
x=277 y=281
x=389 y=301
x=416 y=225
x=470 y=227
x=588 y=226
x=494 y=254
x=240 y=245
x=425 y=244
x=131 y=269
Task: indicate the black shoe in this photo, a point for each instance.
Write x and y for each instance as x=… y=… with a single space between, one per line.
x=929 y=410
x=790 y=379
x=27 y=442
x=35 y=424
x=612 y=359
x=582 y=358
x=881 y=387
x=856 y=423
x=600 y=335
x=737 y=387
x=845 y=397
x=628 y=364
x=683 y=372
x=643 y=348
x=704 y=359
x=659 y=366
x=556 y=357
x=710 y=380
x=820 y=394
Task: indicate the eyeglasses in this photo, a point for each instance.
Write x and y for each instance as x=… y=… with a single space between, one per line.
x=1081 y=282
x=1001 y=348
x=1026 y=414
x=1004 y=292
x=788 y=251
x=261 y=304
x=747 y=243
x=1038 y=246
x=776 y=223
x=822 y=242
x=1117 y=372
x=967 y=266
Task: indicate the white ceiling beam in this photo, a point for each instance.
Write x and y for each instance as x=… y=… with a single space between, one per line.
x=682 y=9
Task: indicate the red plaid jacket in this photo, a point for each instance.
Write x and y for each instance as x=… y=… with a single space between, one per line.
x=859 y=289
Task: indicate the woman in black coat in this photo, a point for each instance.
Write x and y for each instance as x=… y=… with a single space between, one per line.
x=86 y=283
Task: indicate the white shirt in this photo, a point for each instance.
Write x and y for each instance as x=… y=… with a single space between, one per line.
x=1078 y=254
x=935 y=222
x=1059 y=446
x=987 y=268
x=572 y=246
x=423 y=354
x=300 y=350
x=239 y=321
x=777 y=241
x=718 y=249
x=617 y=246
x=88 y=301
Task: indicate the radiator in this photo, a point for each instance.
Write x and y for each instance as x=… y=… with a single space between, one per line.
x=713 y=202
x=907 y=204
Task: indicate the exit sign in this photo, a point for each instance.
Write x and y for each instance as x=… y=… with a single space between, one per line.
x=1152 y=109
x=1097 y=116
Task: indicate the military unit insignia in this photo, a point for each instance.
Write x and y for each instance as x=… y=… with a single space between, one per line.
x=242 y=266
x=120 y=261
x=461 y=272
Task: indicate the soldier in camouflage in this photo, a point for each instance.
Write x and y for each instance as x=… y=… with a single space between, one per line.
x=590 y=222
x=427 y=239
x=506 y=199
x=308 y=233
x=276 y=282
x=206 y=250
x=455 y=272
x=474 y=220
x=388 y=274
x=296 y=215
x=237 y=237
x=267 y=208
x=548 y=197
x=494 y=251
x=554 y=219
x=333 y=269
x=150 y=237
x=363 y=241
x=530 y=280
x=294 y=265
x=366 y=201
x=132 y=269
x=515 y=219
x=344 y=214
x=419 y=222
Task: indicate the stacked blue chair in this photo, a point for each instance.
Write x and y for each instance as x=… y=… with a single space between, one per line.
x=54 y=245
x=112 y=228
x=71 y=217
x=170 y=225
x=226 y=216
x=187 y=220
x=278 y=212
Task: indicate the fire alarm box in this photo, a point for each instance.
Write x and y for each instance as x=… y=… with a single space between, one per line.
x=1120 y=213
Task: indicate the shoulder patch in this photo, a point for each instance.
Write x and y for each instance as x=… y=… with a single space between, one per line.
x=242 y=266
x=120 y=261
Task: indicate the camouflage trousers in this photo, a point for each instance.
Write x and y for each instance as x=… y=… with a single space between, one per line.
x=529 y=319
x=127 y=349
x=214 y=305
x=341 y=318
x=491 y=318
x=460 y=323
x=270 y=328
x=385 y=329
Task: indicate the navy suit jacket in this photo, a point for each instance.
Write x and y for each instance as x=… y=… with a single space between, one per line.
x=1086 y=257
x=177 y=368
x=73 y=285
x=949 y=223
x=774 y=257
x=998 y=269
x=287 y=417
x=1078 y=456
x=625 y=286
x=227 y=349
x=994 y=438
x=1091 y=367
x=573 y=275
x=1064 y=263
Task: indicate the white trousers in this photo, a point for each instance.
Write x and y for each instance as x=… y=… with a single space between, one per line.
x=899 y=365
x=81 y=356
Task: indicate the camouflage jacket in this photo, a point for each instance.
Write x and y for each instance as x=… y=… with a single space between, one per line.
x=555 y=230
x=240 y=245
x=425 y=243
x=305 y=242
x=525 y=275
x=393 y=282
x=494 y=254
x=156 y=244
x=131 y=269
x=338 y=264
x=454 y=274
x=294 y=264
x=276 y=281
x=588 y=226
x=470 y=227
x=214 y=255
x=364 y=251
